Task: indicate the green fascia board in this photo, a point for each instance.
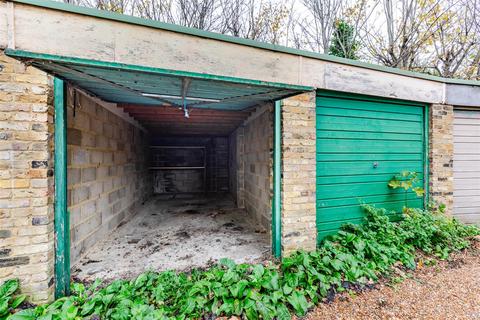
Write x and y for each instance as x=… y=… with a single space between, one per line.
x=21 y=54
x=227 y=38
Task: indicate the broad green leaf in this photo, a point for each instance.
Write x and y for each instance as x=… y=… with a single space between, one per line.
x=299 y=303
x=287 y=289
x=27 y=314
x=251 y=313
x=8 y=288
x=189 y=306
x=264 y=311
x=283 y=313
x=238 y=288
x=78 y=288
x=17 y=301
x=88 y=307
x=229 y=263
x=4 y=305
x=337 y=264
x=258 y=271
x=237 y=307
x=141 y=280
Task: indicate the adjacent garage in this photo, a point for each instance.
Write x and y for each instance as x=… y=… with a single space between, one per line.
x=362 y=142
x=466 y=165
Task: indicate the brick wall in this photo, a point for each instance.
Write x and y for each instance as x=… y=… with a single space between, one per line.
x=26 y=182
x=299 y=173
x=107 y=171
x=441 y=155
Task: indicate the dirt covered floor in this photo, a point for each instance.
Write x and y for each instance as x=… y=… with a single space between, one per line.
x=448 y=290
x=179 y=233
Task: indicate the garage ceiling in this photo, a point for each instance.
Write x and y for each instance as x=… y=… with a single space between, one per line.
x=166 y=120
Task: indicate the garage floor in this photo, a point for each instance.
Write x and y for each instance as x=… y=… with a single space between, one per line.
x=175 y=233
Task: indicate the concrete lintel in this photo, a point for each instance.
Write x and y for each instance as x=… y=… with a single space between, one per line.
x=463 y=95
x=111 y=40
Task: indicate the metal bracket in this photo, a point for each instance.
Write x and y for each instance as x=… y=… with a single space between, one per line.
x=185 y=85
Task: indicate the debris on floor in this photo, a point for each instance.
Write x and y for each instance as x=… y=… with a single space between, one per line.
x=448 y=290
x=180 y=234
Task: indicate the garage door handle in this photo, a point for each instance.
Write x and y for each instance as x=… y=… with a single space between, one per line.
x=375 y=164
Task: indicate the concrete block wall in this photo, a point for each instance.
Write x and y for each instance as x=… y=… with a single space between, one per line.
x=178 y=180
x=252 y=145
x=26 y=181
x=299 y=173
x=257 y=168
x=214 y=155
x=441 y=155
x=236 y=166
x=217 y=165
x=108 y=175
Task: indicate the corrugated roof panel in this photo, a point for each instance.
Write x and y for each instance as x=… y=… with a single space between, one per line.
x=128 y=86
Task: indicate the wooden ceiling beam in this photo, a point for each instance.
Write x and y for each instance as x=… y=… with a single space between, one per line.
x=169 y=125
x=194 y=117
x=187 y=122
x=195 y=113
x=176 y=132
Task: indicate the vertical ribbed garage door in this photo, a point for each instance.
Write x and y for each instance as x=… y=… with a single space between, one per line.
x=466 y=166
x=361 y=144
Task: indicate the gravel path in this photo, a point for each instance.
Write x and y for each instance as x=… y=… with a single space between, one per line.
x=449 y=290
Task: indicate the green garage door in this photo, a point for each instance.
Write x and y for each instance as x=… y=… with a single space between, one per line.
x=361 y=144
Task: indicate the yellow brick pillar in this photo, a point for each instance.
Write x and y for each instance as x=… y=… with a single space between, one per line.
x=26 y=183
x=298 y=173
x=441 y=155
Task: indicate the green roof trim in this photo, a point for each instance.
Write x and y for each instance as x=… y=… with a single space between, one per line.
x=122 y=66
x=226 y=38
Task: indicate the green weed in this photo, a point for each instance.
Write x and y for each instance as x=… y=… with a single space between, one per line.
x=7 y=300
x=356 y=256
